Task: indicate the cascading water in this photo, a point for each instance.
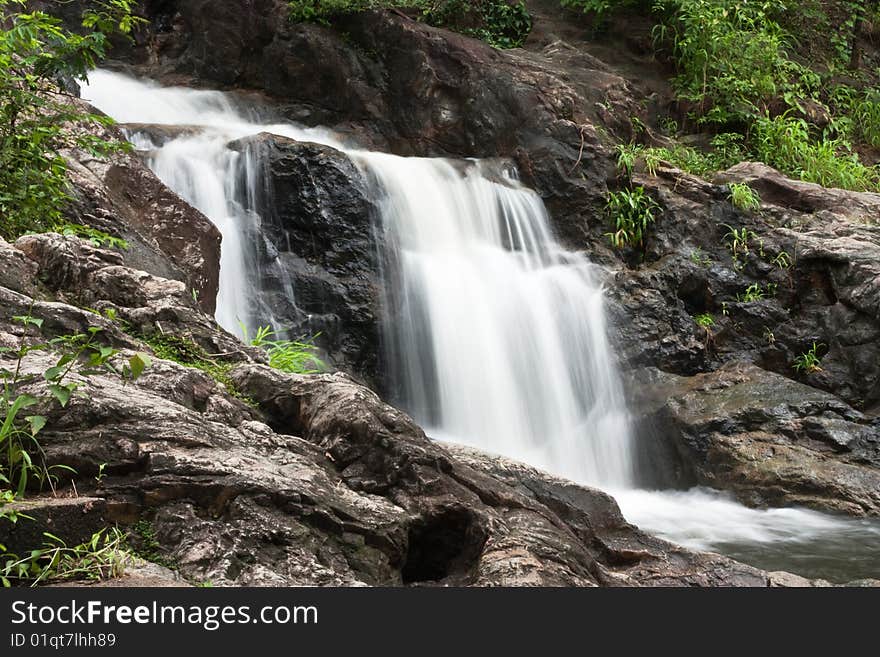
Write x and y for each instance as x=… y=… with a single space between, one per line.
x=201 y=166
x=496 y=336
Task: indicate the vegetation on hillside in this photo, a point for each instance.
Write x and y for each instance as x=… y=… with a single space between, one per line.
x=500 y=23
x=765 y=78
x=39 y=118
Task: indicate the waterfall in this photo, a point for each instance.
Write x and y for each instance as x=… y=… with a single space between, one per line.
x=199 y=163
x=495 y=335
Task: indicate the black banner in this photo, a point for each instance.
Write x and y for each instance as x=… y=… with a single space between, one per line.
x=404 y=621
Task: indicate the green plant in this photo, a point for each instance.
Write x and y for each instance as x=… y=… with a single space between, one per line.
x=292 y=356
x=101 y=557
x=79 y=353
x=185 y=352
x=739 y=239
x=97 y=237
x=100 y=476
x=632 y=212
x=809 y=361
x=599 y=8
x=783 y=260
x=700 y=258
x=626 y=158
x=704 y=320
x=730 y=55
x=38 y=118
x=785 y=142
x=497 y=22
x=142 y=542
x=755 y=292
x=744 y=197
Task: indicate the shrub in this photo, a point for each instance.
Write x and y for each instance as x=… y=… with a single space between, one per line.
x=38 y=119
x=744 y=197
x=632 y=212
x=785 y=142
x=101 y=557
x=291 y=356
x=497 y=22
x=809 y=361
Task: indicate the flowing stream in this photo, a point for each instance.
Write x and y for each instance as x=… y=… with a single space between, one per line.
x=495 y=335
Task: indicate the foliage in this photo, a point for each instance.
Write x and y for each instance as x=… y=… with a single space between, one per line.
x=21 y=455
x=785 y=142
x=744 y=197
x=497 y=22
x=740 y=240
x=96 y=237
x=80 y=354
x=700 y=258
x=857 y=113
x=600 y=8
x=783 y=260
x=38 y=118
x=142 y=541
x=704 y=320
x=185 y=352
x=755 y=292
x=731 y=56
x=292 y=356
x=726 y=150
x=321 y=11
x=809 y=361
x=626 y=158
x=632 y=212
x=101 y=557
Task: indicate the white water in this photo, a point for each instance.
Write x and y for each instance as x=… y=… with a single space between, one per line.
x=199 y=165
x=496 y=336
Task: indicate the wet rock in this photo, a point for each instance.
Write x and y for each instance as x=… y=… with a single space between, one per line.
x=769 y=440
x=318 y=222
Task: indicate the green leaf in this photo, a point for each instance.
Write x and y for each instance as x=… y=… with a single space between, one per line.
x=138 y=363
x=37 y=423
x=61 y=393
x=53 y=373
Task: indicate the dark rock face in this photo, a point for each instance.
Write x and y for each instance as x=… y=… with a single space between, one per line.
x=816 y=272
x=313 y=482
x=318 y=228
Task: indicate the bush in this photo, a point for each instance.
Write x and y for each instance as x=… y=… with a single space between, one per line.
x=497 y=22
x=38 y=119
x=291 y=356
x=633 y=212
x=744 y=197
x=785 y=142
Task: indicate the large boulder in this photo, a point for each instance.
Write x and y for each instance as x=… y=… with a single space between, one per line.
x=119 y=194
x=769 y=440
x=318 y=224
